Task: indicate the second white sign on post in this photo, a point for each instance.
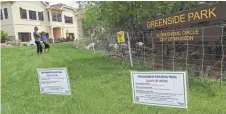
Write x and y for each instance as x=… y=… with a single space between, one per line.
x=160 y=88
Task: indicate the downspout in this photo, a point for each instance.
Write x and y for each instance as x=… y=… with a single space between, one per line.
x=13 y=23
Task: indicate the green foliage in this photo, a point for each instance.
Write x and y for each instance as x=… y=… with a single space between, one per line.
x=127 y=15
x=4 y=36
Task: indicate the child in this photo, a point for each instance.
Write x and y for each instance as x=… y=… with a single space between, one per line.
x=44 y=39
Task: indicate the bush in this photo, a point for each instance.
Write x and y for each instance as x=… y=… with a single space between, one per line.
x=16 y=42
x=4 y=36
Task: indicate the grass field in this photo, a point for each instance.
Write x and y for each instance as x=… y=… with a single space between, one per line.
x=99 y=85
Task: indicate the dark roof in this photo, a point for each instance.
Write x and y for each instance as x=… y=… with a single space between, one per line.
x=47 y=3
x=60 y=6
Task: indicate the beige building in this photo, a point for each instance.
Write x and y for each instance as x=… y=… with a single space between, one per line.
x=18 y=19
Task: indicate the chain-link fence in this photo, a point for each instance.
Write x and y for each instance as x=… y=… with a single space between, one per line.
x=200 y=51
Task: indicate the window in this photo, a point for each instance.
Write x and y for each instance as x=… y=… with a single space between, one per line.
x=48 y=17
x=32 y=15
x=68 y=19
x=59 y=18
x=23 y=13
x=6 y=13
x=56 y=17
x=1 y=14
x=24 y=36
x=40 y=16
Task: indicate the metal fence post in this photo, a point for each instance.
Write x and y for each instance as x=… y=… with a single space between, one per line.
x=222 y=47
x=203 y=51
x=130 y=53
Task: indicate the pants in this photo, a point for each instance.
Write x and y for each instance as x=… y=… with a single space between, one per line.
x=39 y=46
x=46 y=45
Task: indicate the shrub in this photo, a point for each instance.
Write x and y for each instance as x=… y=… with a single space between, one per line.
x=16 y=42
x=4 y=36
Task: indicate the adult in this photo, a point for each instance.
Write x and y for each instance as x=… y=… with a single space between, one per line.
x=37 y=38
x=45 y=42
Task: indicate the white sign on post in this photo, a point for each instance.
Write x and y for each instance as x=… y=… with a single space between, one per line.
x=54 y=81
x=160 y=88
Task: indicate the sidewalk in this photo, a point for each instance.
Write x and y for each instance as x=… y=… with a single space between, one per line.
x=4 y=45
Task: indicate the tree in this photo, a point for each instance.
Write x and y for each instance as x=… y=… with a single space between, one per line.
x=4 y=36
x=127 y=15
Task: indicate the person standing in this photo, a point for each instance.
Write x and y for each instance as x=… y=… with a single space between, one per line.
x=37 y=38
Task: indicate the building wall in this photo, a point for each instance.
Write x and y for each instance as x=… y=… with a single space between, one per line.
x=7 y=24
x=55 y=23
x=30 y=29
x=9 y=29
x=27 y=25
x=15 y=24
x=70 y=28
x=35 y=6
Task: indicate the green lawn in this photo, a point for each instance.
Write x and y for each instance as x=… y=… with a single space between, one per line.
x=99 y=86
